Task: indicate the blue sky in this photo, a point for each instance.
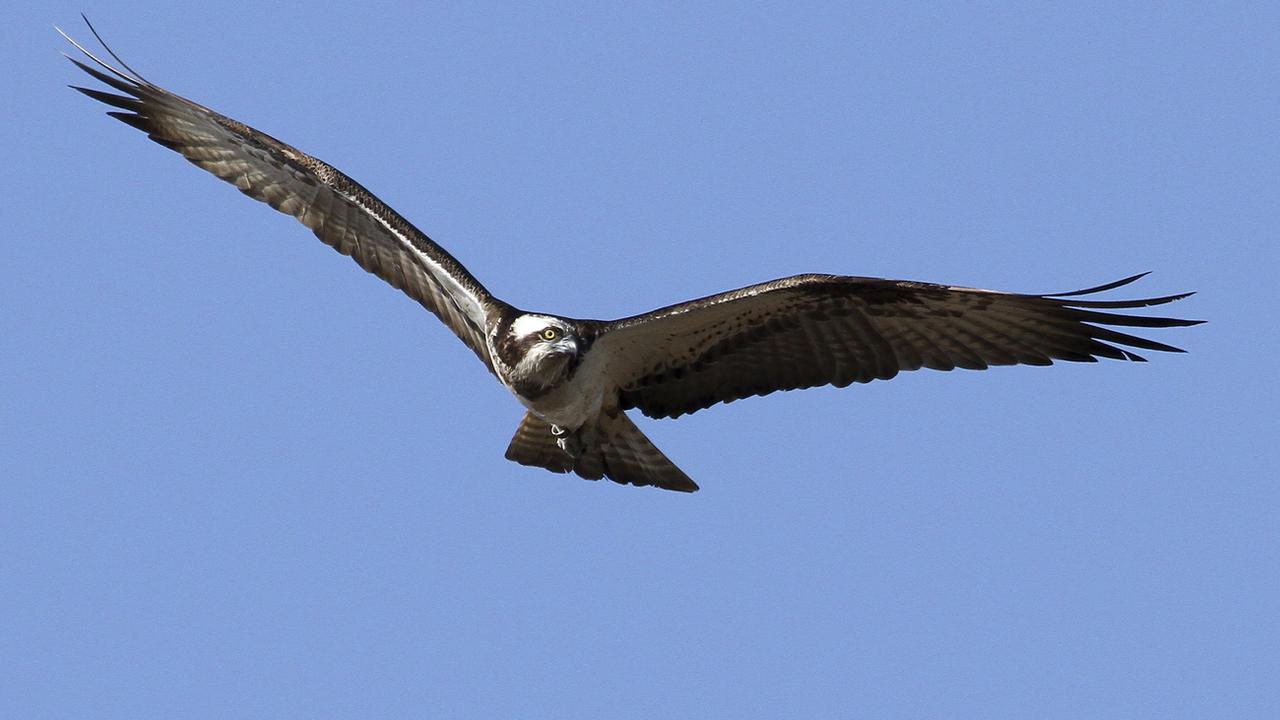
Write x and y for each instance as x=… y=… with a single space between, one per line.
x=242 y=478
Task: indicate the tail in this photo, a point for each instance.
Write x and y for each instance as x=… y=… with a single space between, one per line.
x=620 y=452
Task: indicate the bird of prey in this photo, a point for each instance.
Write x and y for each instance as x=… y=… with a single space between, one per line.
x=577 y=378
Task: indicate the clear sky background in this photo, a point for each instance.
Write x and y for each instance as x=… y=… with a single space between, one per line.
x=242 y=478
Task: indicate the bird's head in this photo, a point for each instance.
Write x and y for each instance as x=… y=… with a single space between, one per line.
x=539 y=352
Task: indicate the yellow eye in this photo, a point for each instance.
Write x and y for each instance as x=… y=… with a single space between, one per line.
x=550 y=334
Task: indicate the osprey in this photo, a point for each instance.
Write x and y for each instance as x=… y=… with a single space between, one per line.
x=576 y=378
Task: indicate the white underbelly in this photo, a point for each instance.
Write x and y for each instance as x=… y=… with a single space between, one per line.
x=577 y=402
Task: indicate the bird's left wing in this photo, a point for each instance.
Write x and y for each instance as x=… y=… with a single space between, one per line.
x=812 y=330
x=336 y=208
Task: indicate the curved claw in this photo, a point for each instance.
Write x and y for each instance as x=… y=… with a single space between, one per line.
x=568 y=441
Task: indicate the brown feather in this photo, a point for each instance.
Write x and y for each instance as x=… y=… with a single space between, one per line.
x=339 y=210
x=624 y=454
x=812 y=330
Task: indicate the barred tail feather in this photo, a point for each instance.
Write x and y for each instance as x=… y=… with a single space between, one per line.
x=622 y=453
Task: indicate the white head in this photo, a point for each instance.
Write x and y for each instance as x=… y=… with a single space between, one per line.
x=537 y=353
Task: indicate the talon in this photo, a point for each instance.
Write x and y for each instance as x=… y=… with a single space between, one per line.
x=568 y=441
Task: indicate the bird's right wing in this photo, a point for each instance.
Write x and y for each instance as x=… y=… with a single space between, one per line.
x=339 y=210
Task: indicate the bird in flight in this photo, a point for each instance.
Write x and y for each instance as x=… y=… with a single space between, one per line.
x=577 y=378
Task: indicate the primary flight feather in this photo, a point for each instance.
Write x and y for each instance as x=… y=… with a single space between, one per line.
x=576 y=378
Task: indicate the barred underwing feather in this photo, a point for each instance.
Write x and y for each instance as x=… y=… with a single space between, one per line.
x=688 y=356
x=340 y=211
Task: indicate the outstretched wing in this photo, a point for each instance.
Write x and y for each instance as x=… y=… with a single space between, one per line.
x=338 y=210
x=812 y=330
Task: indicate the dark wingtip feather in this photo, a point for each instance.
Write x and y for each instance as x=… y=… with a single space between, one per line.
x=1087 y=311
x=131 y=119
x=1123 y=304
x=1109 y=335
x=1128 y=320
x=110 y=52
x=121 y=101
x=1101 y=288
x=121 y=83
